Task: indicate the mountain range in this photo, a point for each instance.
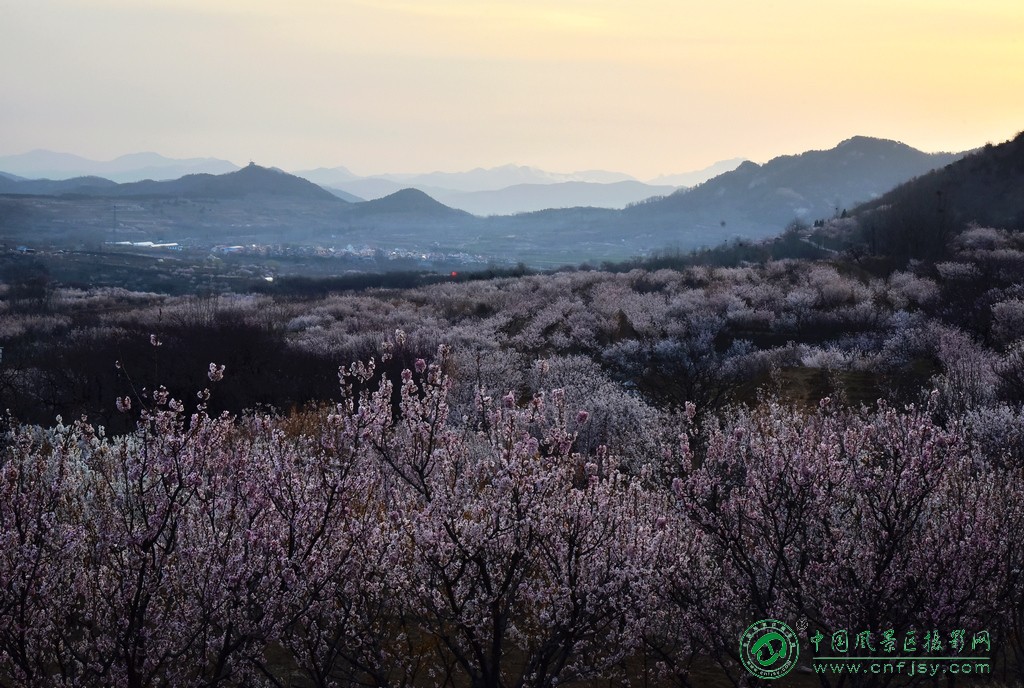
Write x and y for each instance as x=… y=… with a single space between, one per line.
x=478 y=179
x=259 y=205
x=43 y=164
x=503 y=190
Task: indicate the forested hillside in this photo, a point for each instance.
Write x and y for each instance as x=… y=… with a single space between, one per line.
x=921 y=218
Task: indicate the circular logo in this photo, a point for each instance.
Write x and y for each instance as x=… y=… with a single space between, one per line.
x=769 y=649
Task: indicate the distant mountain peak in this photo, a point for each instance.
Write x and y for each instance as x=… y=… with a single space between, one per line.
x=411 y=201
x=253 y=179
x=858 y=139
x=253 y=168
x=699 y=176
x=872 y=143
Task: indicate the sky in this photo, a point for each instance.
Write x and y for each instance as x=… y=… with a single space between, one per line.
x=645 y=87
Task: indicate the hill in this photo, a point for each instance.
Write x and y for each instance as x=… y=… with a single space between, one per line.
x=57 y=187
x=407 y=202
x=758 y=200
x=917 y=219
x=254 y=205
x=252 y=180
x=409 y=219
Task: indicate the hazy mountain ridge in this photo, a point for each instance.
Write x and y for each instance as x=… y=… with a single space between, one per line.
x=327 y=176
x=698 y=176
x=343 y=195
x=509 y=189
x=478 y=179
x=526 y=198
x=518 y=198
x=44 y=164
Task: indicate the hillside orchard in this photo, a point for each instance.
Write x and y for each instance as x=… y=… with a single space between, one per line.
x=527 y=481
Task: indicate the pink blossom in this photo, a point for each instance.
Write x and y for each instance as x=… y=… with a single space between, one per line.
x=215 y=373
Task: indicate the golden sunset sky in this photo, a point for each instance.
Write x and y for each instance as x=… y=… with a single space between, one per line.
x=640 y=86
